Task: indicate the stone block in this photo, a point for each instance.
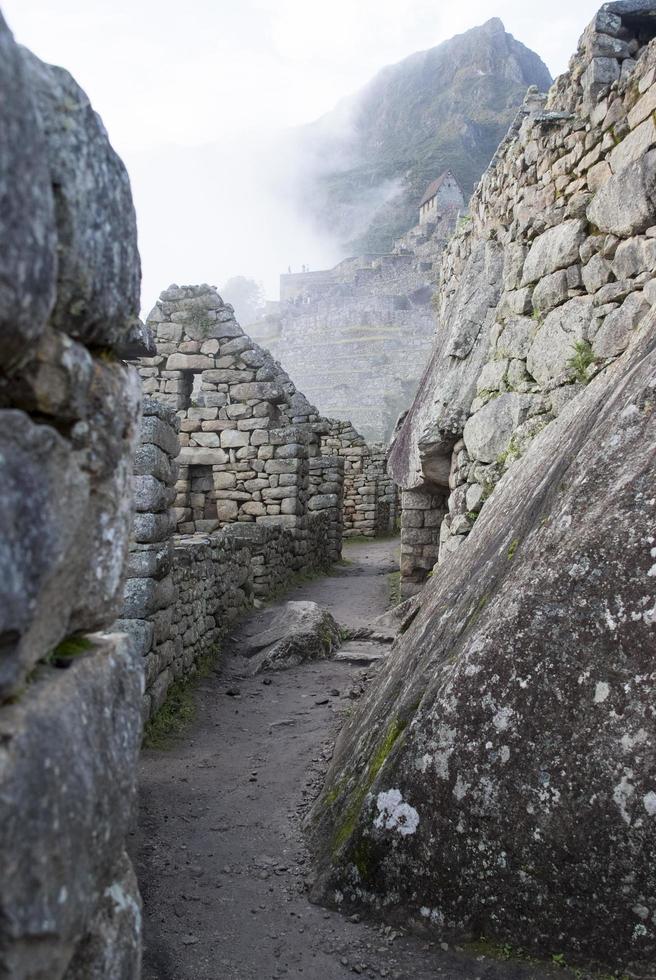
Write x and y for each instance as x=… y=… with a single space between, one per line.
x=149 y=528
x=615 y=331
x=197 y=456
x=257 y=391
x=160 y=434
x=150 y=459
x=150 y=494
x=111 y=947
x=633 y=147
x=487 y=432
x=626 y=204
x=234 y=439
x=554 y=249
x=65 y=535
x=553 y=346
x=227 y=510
x=149 y=561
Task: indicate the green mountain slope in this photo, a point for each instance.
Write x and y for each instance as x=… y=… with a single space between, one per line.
x=445 y=108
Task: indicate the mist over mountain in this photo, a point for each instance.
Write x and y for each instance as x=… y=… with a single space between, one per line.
x=367 y=163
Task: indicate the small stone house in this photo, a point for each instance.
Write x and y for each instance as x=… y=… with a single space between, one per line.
x=442 y=193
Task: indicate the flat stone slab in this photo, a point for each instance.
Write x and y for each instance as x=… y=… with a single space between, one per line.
x=363 y=652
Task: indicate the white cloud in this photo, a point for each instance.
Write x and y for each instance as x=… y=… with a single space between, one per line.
x=187 y=92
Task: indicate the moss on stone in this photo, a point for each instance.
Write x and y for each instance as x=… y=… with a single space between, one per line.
x=346 y=825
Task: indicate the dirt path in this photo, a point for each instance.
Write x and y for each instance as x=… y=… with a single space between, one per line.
x=219 y=850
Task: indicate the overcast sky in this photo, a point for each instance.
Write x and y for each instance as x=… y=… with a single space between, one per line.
x=188 y=90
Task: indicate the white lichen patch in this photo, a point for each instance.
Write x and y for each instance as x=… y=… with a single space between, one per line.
x=649 y=803
x=623 y=793
x=502 y=719
x=602 y=690
x=125 y=902
x=395 y=814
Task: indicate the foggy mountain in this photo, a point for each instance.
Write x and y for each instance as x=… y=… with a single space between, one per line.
x=369 y=160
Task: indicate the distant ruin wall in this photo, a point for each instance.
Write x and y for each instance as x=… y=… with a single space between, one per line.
x=70 y=693
x=356 y=338
x=371 y=501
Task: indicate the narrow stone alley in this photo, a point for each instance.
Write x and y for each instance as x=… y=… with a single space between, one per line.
x=219 y=848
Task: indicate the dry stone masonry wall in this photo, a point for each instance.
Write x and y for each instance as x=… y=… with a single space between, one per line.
x=70 y=691
x=232 y=497
x=498 y=777
x=356 y=337
x=560 y=231
x=371 y=501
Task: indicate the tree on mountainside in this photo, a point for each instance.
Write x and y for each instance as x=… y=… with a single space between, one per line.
x=247 y=297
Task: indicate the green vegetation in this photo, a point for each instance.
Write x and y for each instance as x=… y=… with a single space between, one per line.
x=179 y=708
x=394 y=587
x=514 y=545
x=66 y=651
x=511 y=453
x=346 y=825
x=581 y=360
x=505 y=951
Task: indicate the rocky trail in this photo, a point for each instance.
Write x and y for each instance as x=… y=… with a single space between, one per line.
x=219 y=847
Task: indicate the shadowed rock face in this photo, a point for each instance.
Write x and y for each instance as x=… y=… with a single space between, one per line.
x=499 y=777
x=27 y=218
x=99 y=273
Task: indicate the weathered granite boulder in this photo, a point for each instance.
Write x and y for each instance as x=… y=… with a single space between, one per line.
x=112 y=946
x=498 y=779
x=286 y=636
x=68 y=753
x=488 y=432
x=98 y=272
x=446 y=391
x=66 y=507
x=27 y=216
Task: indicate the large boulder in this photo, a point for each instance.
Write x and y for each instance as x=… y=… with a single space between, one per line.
x=498 y=779
x=445 y=393
x=99 y=273
x=28 y=269
x=66 y=505
x=287 y=635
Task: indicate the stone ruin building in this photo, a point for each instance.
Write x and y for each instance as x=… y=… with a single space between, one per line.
x=356 y=337
x=442 y=194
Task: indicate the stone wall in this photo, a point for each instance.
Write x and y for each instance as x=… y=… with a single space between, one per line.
x=422 y=514
x=562 y=232
x=371 y=502
x=356 y=338
x=327 y=499
x=497 y=778
x=246 y=433
x=231 y=497
x=70 y=693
